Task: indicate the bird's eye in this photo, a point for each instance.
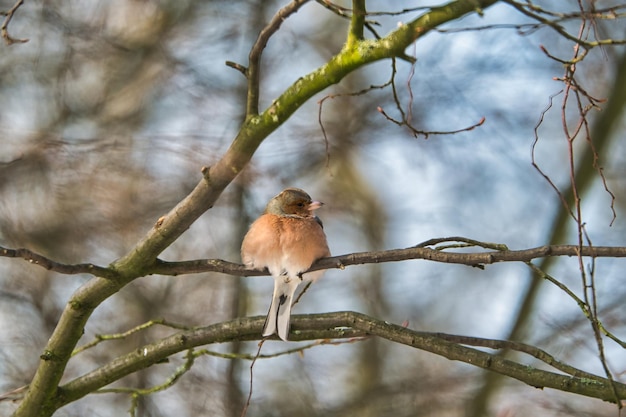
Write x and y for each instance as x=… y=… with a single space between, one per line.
x=301 y=204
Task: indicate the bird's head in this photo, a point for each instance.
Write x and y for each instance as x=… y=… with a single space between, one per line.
x=293 y=202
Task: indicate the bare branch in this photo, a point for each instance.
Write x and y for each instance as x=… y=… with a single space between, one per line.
x=238 y=67
x=533 y=351
x=4 y=29
x=417 y=132
x=475 y=259
x=253 y=71
x=537 y=13
x=51 y=265
x=333 y=96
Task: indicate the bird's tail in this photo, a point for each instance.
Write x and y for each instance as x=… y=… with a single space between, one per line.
x=278 y=317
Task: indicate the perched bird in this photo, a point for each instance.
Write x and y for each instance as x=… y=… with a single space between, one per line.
x=286 y=240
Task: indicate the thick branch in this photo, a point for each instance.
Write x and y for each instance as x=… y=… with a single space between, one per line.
x=349 y=325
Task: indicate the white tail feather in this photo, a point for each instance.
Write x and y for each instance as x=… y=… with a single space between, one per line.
x=279 y=315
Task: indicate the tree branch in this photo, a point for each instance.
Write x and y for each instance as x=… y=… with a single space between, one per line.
x=341 y=325
x=68 y=269
x=254 y=58
x=4 y=29
x=535 y=12
x=475 y=259
x=357 y=22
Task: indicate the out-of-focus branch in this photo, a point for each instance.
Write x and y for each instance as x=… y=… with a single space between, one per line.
x=537 y=13
x=254 y=66
x=4 y=29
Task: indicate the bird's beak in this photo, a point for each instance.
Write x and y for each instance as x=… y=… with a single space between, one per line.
x=315 y=205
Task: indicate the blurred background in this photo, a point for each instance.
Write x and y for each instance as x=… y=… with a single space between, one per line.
x=112 y=107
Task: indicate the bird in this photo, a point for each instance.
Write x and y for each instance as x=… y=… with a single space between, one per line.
x=286 y=239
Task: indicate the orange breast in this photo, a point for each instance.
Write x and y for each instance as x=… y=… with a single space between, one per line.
x=284 y=244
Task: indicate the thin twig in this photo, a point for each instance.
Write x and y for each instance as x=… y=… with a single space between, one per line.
x=137 y=393
x=99 y=338
x=333 y=96
x=531 y=11
x=574 y=92
x=249 y=398
x=426 y=133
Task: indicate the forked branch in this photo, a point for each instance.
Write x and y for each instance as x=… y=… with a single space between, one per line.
x=342 y=325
